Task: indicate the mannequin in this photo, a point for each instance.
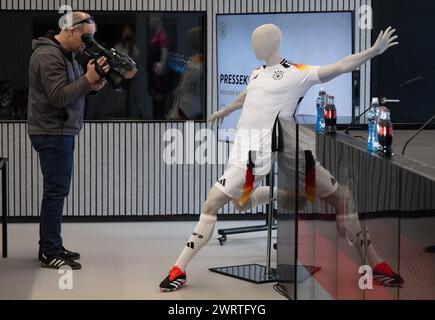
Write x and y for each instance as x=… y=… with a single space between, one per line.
x=250 y=163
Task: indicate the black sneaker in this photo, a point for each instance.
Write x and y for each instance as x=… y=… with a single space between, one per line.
x=67 y=253
x=175 y=280
x=383 y=275
x=70 y=255
x=58 y=261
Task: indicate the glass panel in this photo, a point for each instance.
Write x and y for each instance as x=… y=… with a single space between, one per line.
x=364 y=227
x=417 y=227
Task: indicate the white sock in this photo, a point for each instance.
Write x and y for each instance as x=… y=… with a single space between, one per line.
x=356 y=236
x=199 y=238
x=361 y=240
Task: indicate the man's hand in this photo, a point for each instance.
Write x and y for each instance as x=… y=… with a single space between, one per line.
x=385 y=41
x=98 y=85
x=217 y=117
x=92 y=74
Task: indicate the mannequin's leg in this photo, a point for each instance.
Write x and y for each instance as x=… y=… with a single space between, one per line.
x=347 y=217
x=347 y=212
x=203 y=231
x=199 y=238
x=259 y=197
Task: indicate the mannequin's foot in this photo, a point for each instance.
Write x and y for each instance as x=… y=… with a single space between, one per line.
x=175 y=280
x=383 y=275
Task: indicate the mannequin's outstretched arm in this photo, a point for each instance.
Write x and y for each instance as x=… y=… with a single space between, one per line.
x=350 y=63
x=233 y=106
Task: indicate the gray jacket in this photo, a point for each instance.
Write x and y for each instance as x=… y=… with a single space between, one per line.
x=57 y=89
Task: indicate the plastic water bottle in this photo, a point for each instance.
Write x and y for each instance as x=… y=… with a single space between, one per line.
x=320 y=104
x=330 y=116
x=385 y=132
x=372 y=117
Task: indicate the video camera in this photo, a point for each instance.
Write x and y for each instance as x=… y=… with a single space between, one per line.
x=121 y=65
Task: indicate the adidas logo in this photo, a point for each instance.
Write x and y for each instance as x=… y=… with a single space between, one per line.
x=222 y=182
x=286 y=63
x=191 y=245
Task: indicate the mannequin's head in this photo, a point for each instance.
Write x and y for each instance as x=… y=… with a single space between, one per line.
x=266 y=41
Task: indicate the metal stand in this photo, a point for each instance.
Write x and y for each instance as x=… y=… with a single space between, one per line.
x=225 y=232
x=3 y=168
x=254 y=272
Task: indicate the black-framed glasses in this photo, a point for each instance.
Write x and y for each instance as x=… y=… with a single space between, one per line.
x=88 y=20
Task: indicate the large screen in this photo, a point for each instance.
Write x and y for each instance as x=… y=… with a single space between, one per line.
x=168 y=48
x=308 y=38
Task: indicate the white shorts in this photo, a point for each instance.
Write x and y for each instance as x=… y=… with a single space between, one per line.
x=233 y=180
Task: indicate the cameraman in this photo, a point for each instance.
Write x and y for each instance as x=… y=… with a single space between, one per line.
x=57 y=90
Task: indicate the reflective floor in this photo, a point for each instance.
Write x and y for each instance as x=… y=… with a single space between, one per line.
x=128 y=261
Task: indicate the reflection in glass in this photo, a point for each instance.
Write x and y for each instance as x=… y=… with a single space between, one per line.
x=127 y=45
x=168 y=48
x=158 y=77
x=188 y=103
x=346 y=217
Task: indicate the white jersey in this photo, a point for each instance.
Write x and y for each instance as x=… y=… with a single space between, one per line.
x=271 y=91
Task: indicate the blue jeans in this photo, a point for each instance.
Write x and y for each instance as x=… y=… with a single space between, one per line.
x=56 y=159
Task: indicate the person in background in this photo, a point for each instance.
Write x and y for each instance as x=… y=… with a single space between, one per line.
x=157 y=67
x=189 y=97
x=128 y=46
